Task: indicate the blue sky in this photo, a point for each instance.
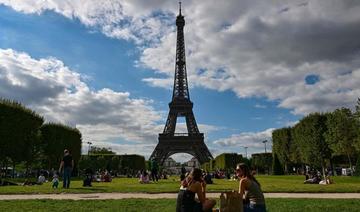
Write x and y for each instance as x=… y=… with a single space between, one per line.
x=108 y=69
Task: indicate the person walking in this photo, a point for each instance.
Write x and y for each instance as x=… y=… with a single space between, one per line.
x=67 y=164
x=154 y=170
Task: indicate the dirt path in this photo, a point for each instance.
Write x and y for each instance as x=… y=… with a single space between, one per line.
x=169 y=196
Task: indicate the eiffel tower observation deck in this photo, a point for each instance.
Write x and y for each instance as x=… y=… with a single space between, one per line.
x=191 y=142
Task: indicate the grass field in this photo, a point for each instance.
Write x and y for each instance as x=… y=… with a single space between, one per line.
x=269 y=184
x=165 y=205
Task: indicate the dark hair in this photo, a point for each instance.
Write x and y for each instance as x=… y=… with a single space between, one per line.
x=246 y=172
x=195 y=175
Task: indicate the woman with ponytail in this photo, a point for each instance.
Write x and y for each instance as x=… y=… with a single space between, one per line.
x=250 y=187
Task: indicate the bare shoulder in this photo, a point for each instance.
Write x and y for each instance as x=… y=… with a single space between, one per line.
x=244 y=181
x=195 y=186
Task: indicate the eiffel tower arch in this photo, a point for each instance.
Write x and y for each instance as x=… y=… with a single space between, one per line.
x=191 y=142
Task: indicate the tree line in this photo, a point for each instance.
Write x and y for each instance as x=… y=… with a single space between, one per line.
x=117 y=164
x=26 y=140
x=318 y=140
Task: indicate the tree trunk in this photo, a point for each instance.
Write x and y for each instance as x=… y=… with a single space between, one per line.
x=350 y=164
x=13 y=171
x=6 y=168
x=332 y=167
x=323 y=165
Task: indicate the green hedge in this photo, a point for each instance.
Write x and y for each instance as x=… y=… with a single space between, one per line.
x=123 y=164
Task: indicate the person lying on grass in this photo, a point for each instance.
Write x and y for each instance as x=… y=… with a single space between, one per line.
x=191 y=185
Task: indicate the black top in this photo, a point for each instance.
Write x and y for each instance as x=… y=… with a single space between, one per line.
x=67 y=161
x=186 y=202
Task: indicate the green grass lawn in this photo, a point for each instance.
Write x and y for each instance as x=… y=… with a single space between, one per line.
x=164 y=205
x=268 y=183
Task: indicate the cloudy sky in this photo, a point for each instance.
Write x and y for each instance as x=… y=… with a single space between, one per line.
x=107 y=66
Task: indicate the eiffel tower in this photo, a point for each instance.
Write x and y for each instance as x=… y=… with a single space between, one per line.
x=191 y=142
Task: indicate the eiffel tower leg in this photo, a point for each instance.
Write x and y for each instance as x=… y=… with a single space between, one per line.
x=191 y=123
x=170 y=122
x=160 y=153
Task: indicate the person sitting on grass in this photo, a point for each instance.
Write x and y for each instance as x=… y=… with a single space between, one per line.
x=315 y=179
x=55 y=181
x=107 y=177
x=208 y=178
x=326 y=181
x=41 y=179
x=29 y=183
x=191 y=185
x=144 y=177
x=250 y=187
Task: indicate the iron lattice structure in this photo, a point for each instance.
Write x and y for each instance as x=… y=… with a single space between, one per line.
x=191 y=142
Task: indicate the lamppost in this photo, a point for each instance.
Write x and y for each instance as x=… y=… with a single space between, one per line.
x=264 y=142
x=89 y=147
x=245 y=147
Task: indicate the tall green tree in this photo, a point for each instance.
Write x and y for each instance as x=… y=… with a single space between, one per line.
x=19 y=132
x=262 y=162
x=357 y=167
x=56 y=138
x=308 y=134
x=228 y=161
x=282 y=145
x=277 y=168
x=357 y=109
x=342 y=132
x=357 y=123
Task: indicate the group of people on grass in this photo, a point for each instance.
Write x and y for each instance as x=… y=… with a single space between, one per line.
x=154 y=175
x=194 y=183
x=316 y=178
x=66 y=167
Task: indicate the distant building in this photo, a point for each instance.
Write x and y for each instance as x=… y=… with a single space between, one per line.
x=193 y=163
x=169 y=162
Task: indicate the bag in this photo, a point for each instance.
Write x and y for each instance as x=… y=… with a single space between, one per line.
x=231 y=202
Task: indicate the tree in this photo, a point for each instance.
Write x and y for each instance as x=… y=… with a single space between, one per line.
x=357 y=109
x=262 y=162
x=56 y=138
x=277 y=168
x=342 y=132
x=357 y=167
x=228 y=161
x=19 y=132
x=282 y=145
x=101 y=151
x=357 y=123
x=308 y=135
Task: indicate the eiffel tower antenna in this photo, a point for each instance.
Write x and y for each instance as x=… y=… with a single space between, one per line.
x=191 y=142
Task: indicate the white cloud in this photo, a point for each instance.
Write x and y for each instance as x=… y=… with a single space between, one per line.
x=53 y=90
x=261 y=53
x=129 y=20
x=60 y=95
x=254 y=48
x=252 y=140
x=260 y=106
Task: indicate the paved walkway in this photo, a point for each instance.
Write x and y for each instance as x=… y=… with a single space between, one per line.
x=168 y=196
